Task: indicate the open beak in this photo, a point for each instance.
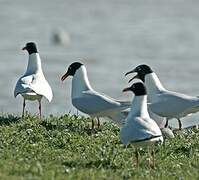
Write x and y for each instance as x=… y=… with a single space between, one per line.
x=126 y=89
x=64 y=76
x=133 y=71
x=24 y=48
x=135 y=77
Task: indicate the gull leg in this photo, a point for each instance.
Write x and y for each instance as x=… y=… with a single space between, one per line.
x=98 y=122
x=180 y=124
x=93 y=124
x=40 y=109
x=149 y=153
x=137 y=157
x=24 y=104
x=167 y=123
x=153 y=158
x=164 y=142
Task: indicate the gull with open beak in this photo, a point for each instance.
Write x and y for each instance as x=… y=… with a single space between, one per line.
x=162 y=102
x=33 y=85
x=139 y=129
x=91 y=102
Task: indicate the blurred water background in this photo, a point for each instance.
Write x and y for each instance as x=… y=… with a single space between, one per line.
x=109 y=36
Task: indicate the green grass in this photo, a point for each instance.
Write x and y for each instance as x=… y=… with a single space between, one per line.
x=65 y=148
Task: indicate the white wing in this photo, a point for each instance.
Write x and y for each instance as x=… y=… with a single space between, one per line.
x=92 y=102
x=22 y=85
x=170 y=104
x=138 y=128
x=34 y=83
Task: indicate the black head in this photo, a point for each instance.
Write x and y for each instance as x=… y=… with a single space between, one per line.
x=141 y=71
x=30 y=47
x=138 y=88
x=71 y=70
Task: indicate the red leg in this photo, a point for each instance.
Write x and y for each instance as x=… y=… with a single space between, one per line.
x=24 y=104
x=40 y=109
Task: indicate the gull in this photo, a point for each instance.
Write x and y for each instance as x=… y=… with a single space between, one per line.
x=163 y=102
x=33 y=85
x=89 y=101
x=140 y=129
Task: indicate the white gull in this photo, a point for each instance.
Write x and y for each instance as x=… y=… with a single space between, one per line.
x=139 y=128
x=33 y=85
x=91 y=102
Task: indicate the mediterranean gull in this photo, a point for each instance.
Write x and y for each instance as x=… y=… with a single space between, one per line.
x=91 y=102
x=139 y=128
x=162 y=102
x=33 y=85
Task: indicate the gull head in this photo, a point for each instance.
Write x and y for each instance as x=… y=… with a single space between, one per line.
x=71 y=70
x=30 y=47
x=137 y=88
x=141 y=71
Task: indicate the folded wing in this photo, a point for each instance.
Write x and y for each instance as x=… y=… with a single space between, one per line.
x=34 y=83
x=92 y=102
x=172 y=104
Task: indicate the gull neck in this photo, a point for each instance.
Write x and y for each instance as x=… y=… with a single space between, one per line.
x=80 y=82
x=34 y=64
x=139 y=106
x=153 y=84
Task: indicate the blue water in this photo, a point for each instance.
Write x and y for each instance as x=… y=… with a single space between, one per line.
x=109 y=36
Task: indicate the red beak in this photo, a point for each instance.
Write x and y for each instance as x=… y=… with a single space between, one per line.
x=64 y=76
